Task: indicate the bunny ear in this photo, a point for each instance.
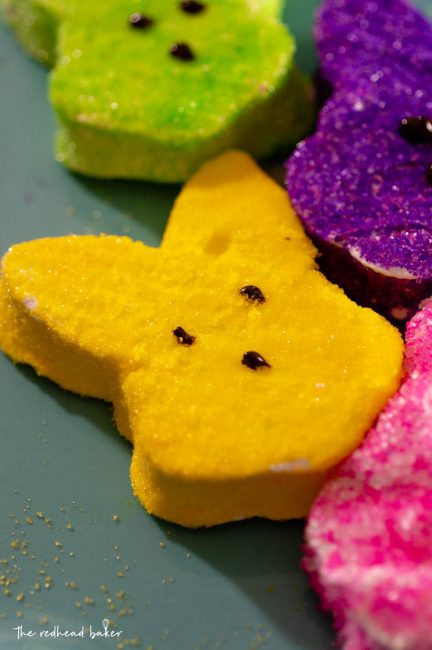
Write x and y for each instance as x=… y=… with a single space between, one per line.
x=231 y=204
x=62 y=302
x=367 y=41
x=35 y=25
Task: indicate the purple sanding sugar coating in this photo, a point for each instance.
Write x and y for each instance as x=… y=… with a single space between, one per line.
x=356 y=183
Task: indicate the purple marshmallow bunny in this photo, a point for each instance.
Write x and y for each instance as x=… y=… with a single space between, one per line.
x=362 y=184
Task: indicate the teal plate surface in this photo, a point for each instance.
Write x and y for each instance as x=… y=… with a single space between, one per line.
x=81 y=554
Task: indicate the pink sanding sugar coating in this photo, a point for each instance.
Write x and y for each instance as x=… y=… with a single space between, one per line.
x=369 y=535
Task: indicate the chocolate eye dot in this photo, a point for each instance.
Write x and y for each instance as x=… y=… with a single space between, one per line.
x=139 y=21
x=254 y=360
x=429 y=174
x=252 y=293
x=182 y=51
x=192 y=6
x=416 y=130
x=183 y=337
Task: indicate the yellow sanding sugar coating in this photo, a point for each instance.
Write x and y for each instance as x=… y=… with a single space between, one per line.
x=215 y=439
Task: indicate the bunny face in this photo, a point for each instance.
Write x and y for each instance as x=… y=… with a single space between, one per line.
x=368 y=197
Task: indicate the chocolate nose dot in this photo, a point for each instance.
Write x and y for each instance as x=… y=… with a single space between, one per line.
x=183 y=337
x=139 y=21
x=416 y=130
x=182 y=51
x=254 y=360
x=252 y=293
x=192 y=6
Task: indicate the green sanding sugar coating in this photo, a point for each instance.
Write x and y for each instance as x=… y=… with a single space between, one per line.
x=34 y=26
x=127 y=108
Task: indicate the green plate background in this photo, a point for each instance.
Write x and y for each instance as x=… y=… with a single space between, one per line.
x=233 y=587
